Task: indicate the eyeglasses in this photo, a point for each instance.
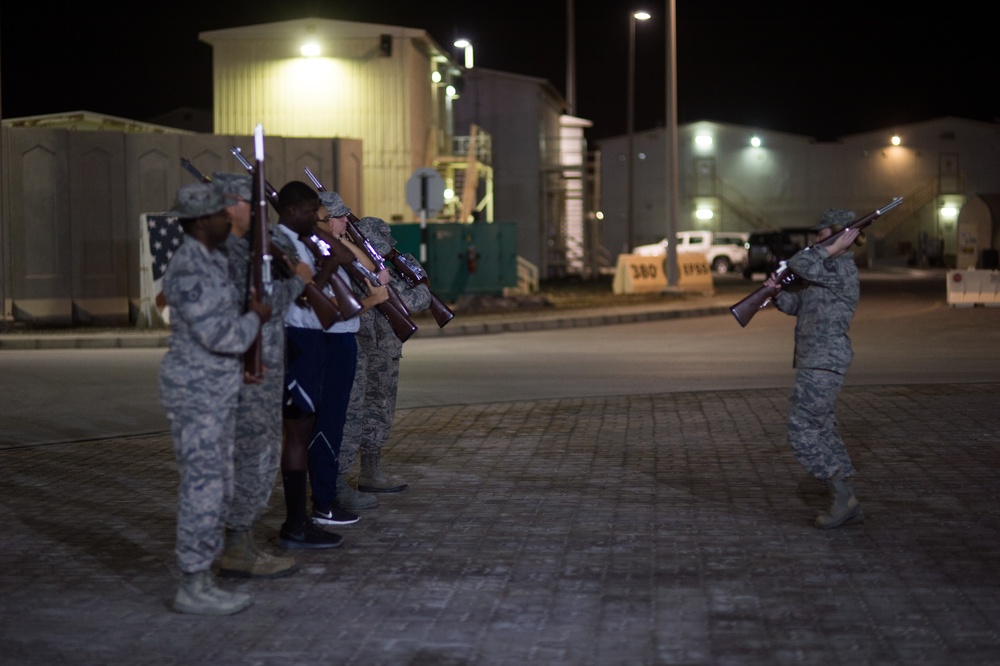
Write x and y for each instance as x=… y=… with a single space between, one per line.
x=325 y=219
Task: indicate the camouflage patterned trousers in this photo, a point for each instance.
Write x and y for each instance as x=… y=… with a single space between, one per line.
x=257 y=451
x=203 y=443
x=812 y=424
x=373 y=402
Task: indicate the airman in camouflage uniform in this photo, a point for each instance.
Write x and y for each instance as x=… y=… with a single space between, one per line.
x=824 y=310
x=257 y=453
x=373 y=397
x=199 y=381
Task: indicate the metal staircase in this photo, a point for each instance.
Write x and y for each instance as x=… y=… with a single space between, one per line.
x=913 y=201
x=468 y=172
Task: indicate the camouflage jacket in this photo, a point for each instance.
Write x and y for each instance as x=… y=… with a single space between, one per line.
x=203 y=368
x=824 y=309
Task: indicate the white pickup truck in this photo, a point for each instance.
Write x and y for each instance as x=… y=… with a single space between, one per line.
x=724 y=250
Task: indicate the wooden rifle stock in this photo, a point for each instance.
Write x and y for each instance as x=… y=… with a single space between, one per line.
x=415 y=275
x=755 y=302
x=398 y=319
x=759 y=299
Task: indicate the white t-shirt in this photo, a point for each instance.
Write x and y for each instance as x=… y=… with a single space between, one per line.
x=303 y=316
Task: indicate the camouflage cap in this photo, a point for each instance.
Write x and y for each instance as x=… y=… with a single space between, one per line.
x=334 y=204
x=235 y=184
x=378 y=232
x=835 y=217
x=199 y=200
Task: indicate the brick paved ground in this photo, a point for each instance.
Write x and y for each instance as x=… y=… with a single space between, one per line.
x=652 y=529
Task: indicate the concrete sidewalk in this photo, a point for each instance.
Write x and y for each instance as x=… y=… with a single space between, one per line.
x=646 y=529
x=693 y=305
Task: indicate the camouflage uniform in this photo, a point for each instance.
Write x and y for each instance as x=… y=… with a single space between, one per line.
x=373 y=397
x=257 y=455
x=199 y=382
x=824 y=310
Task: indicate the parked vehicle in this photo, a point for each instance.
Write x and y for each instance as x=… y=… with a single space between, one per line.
x=766 y=249
x=725 y=251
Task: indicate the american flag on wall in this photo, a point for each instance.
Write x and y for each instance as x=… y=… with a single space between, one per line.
x=161 y=235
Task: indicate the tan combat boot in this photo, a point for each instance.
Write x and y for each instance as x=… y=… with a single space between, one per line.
x=350 y=499
x=844 y=510
x=199 y=595
x=241 y=558
x=373 y=479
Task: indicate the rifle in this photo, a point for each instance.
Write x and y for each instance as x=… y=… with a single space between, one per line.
x=347 y=305
x=398 y=319
x=414 y=274
x=366 y=246
x=762 y=297
x=324 y=308
x=260 y=260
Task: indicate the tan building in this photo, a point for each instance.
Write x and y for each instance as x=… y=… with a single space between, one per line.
x=385 y=85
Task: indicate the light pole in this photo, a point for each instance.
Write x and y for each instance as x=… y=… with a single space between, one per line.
x=673 y=185
x=467 y=46
x=630 y=156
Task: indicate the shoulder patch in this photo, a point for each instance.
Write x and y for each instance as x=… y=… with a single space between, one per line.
x=193 y=295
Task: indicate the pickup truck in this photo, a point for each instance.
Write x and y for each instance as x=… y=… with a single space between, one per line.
x=724 y=251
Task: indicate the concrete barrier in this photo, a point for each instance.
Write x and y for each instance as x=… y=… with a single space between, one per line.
x=973 y=288
x=636 y=274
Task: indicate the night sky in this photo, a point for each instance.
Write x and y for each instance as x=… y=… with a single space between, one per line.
x=822 y=70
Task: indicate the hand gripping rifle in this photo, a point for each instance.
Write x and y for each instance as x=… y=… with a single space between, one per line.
x=365 y=245
x=398 y=319
x=346 y=304
x=325 y=308
x=414 y=274
x=761 y=298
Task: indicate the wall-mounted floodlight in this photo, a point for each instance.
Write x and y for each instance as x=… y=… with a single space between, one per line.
x=436 y=76
x=310 y=49
x=704 y=214
x=896 y=140
x=755 y=141
x=703 y=141
x=949 y=212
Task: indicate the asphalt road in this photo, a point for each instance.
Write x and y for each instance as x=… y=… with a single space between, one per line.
x=904 y=333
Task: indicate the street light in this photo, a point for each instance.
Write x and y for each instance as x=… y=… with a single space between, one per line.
x=467 y=45
x=630 y=157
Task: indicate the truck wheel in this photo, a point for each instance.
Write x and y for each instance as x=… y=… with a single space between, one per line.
x=721 y=265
